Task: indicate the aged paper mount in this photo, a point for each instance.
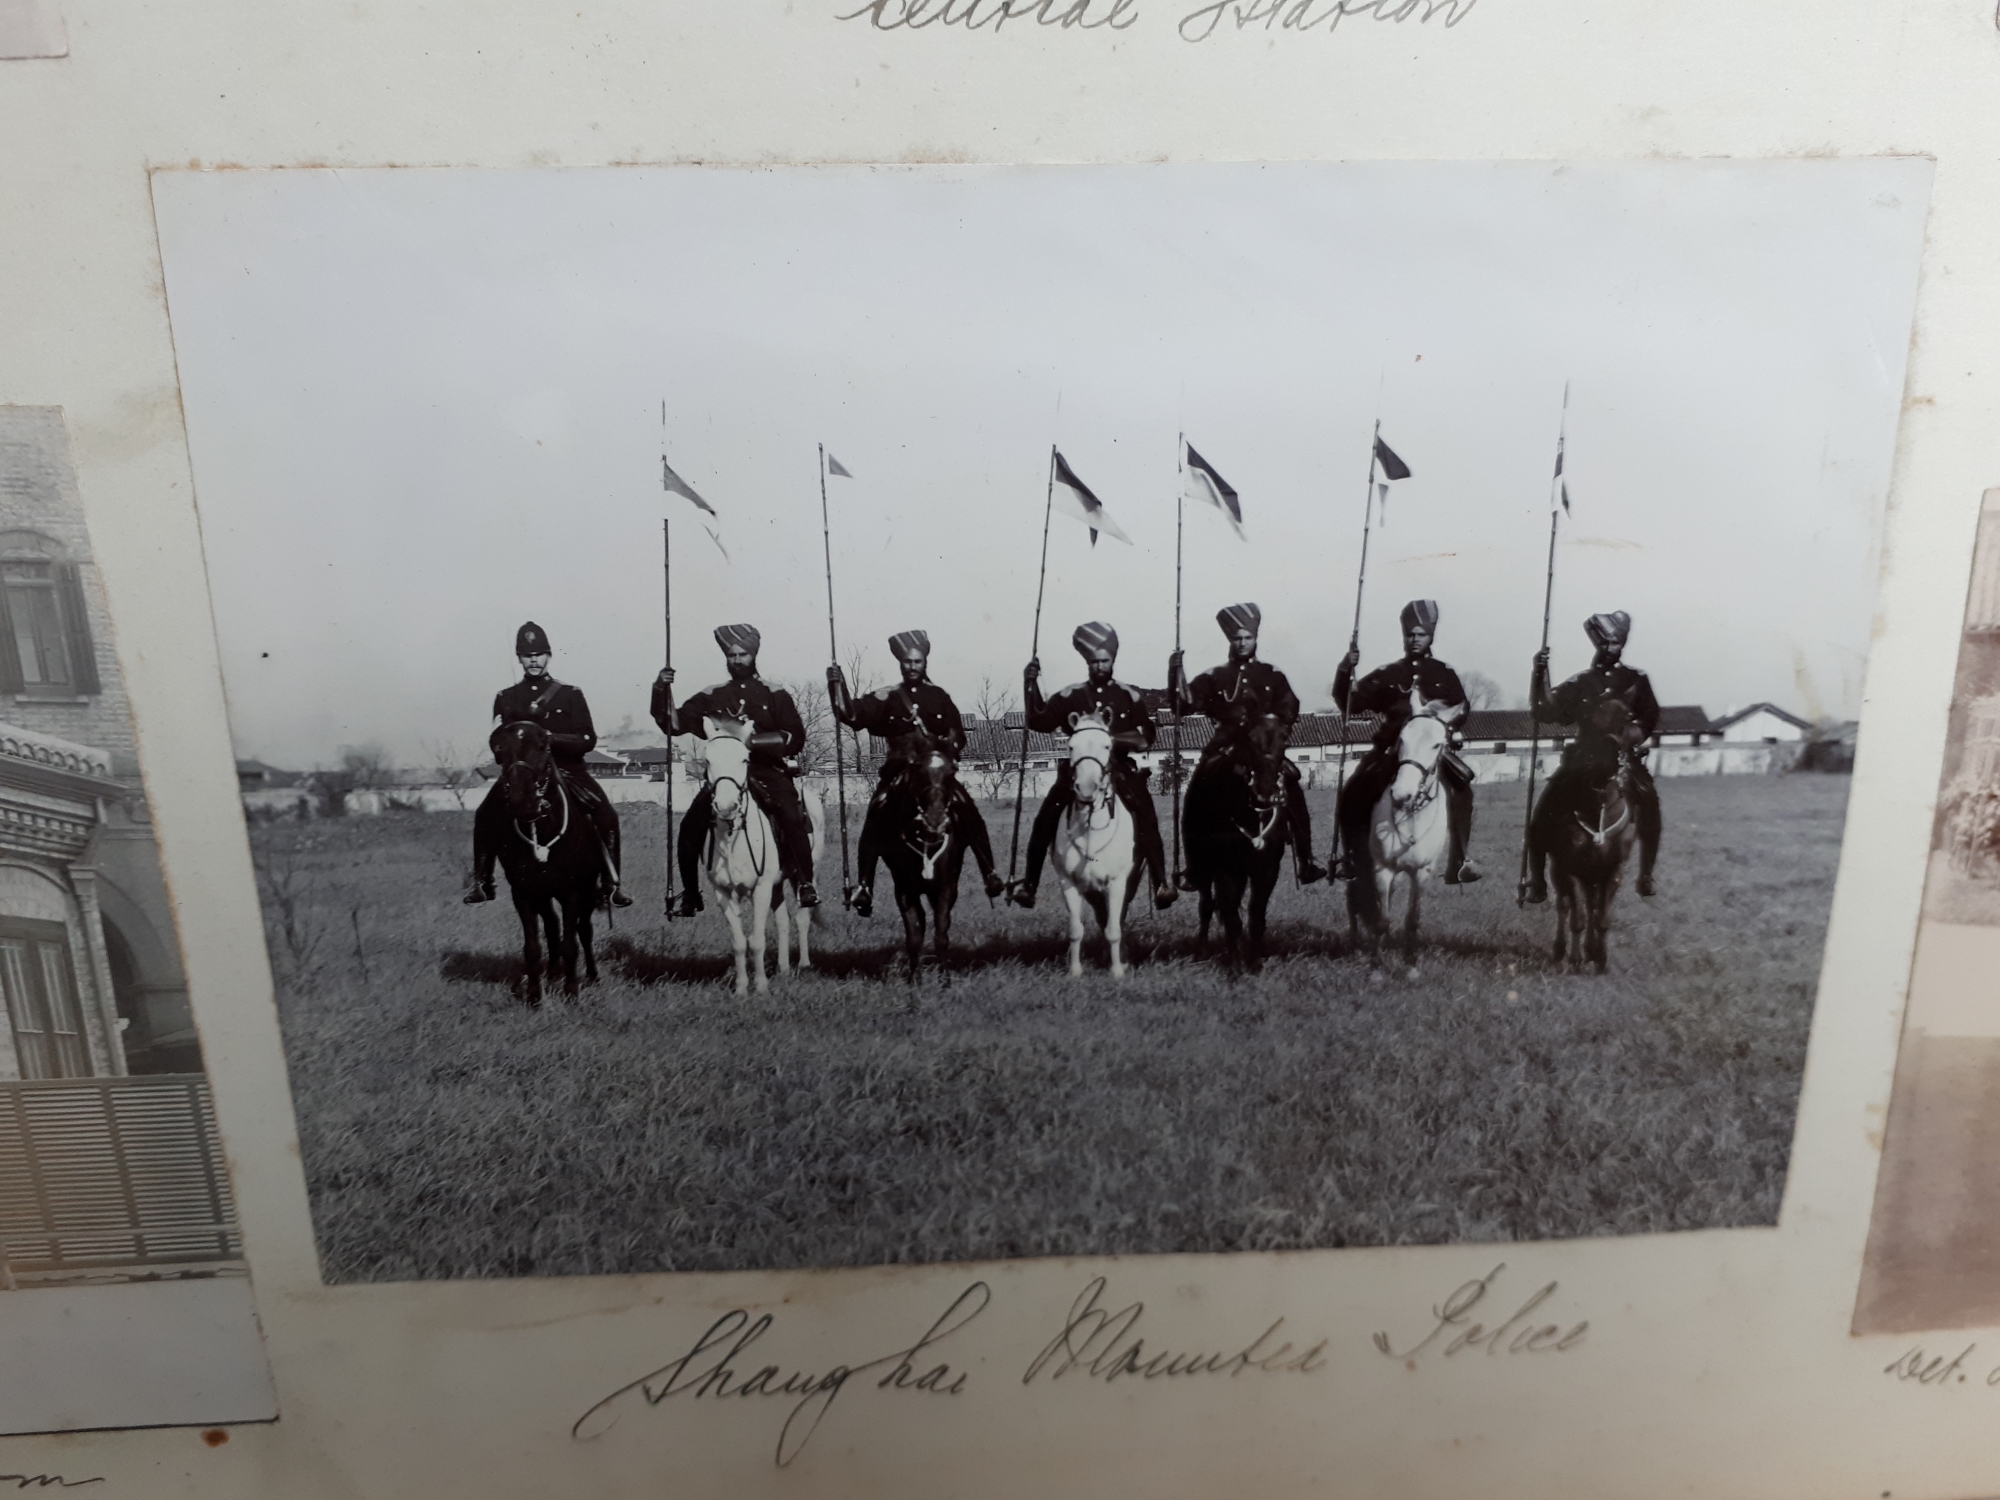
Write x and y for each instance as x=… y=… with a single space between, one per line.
x=1740 y=1339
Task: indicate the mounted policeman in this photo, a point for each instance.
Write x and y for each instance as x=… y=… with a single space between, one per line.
x=1395 y=692
x=561 y=710
x=1100 y=694
x=1614 y=712
x=1234 y=696
x=912 y=717
x=777 y=734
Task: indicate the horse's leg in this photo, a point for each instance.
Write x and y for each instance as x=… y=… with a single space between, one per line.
x=586 y=932
x=802 y=920
x=1378 y=919
x=1600 y=917
x=942 y=906
x=760 y=911
x=1073 y=899
x=912 y=905
x=781 y=919
x=1561 y=882
x=552 y=925
x=1114 y=928
x=1262 y=882
x=1207 y=911
x=1229 y=906
x=1410 y=922
x=731 y=910
x=531 y=949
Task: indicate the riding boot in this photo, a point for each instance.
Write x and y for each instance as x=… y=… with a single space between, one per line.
x=486 y=835
x=866 y=852
x=700 y=817
x=972 y=824
x=605 y=818
x=1646 y=797
x=795 y=852
x=1298 y=822
x=1458 y=816
x=1047 y=817
x=1147 y=846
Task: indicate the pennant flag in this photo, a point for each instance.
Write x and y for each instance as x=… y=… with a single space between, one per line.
x=1382 y=502
x=1203 y=484
x=1393 y=466
x=1565 y=495
x=675 y=485
x=1073 y=498
x=835 y=466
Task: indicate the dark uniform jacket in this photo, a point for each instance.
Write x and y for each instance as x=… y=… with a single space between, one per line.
x=902 y=715
x=768 y=710
x=1582 y=700
x=558 y=708
x=1236 y=692
x=1386 y=691
x=1113 y=702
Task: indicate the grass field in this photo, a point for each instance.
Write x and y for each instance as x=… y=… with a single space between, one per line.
x=664 y=1124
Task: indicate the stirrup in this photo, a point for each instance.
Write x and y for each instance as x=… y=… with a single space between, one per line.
x=1536 y=894
x=1184 y=881
x=691 y=901
x=1310 y=873
x=1465 y=874
x=1164 y=896
x=1023 y=896
x=995 y=886
x=618 y=896
x=862 y=901
x=806 y=894
x=1645 y=885
x=482 y=890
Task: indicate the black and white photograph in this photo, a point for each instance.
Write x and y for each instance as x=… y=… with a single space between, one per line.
x=811 y=717
x=120 y=1254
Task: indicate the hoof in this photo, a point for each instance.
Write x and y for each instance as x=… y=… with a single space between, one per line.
x=1374 y=976
x=1412 y=973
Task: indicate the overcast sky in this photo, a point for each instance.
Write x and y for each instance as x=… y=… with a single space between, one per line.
x=426 y=405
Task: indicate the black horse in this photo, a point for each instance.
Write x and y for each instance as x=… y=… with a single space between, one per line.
x=555 y=870
x=1586 y=824
x=924 y=848
x=1235 y=821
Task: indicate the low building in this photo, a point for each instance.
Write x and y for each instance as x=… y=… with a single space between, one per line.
x=1763 y=724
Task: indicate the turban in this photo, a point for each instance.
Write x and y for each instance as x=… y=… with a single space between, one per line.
x=905 y=644
x=531 y=640
x=1608 y=630
x=1421 y=614
x=738 y=638
x=1235 y=617
x=1096 y=636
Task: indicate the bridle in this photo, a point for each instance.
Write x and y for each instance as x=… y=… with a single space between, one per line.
x=528 y=833
x=918 y=839
x=1106 y=798
x=736 y=822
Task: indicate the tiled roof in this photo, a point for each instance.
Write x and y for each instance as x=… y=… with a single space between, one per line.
x=1517 y=724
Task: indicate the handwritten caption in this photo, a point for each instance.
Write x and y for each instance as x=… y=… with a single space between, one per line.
x=1196 y=25
x=47 y=1481
x=1520 y=1334
x=1099 y=1339
x=1919 y=1366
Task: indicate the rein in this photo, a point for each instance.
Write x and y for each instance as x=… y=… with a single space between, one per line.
x=739 y=826
x=528 y=833
x=1107 y=795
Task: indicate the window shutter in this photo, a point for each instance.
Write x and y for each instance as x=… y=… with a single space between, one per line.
x=76 y=630
x=11 y=680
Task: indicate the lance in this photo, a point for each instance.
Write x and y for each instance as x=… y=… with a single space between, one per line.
x=667 y=595
x=1173 y=696
x=1354 y=638
x=1034 y=650
x=833 y=655
x=1548 y=600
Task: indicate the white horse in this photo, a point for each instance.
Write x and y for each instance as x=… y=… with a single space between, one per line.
x=743 y=857
x=1094 y=845
x=1409 y=831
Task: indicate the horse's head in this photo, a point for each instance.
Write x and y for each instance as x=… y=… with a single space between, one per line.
x=1418 y=747
x=1260 y=759
x=522 y=749
x=1090 y=756
x=932 y=770
x=728 y=766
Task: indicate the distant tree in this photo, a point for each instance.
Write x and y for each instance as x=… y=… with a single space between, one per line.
x=1482 y=691
x=994 y=700
x=817 y=715
x=451 y=769
x=367 y=766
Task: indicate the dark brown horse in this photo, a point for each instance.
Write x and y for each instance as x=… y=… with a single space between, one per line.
x=1235 y=822
x=924 y=848
x=555 y=870
x=1587 y=824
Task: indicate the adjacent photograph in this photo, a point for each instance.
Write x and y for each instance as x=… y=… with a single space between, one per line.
x=120 y=1256
x=1931 y=1259
x=853 y=716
